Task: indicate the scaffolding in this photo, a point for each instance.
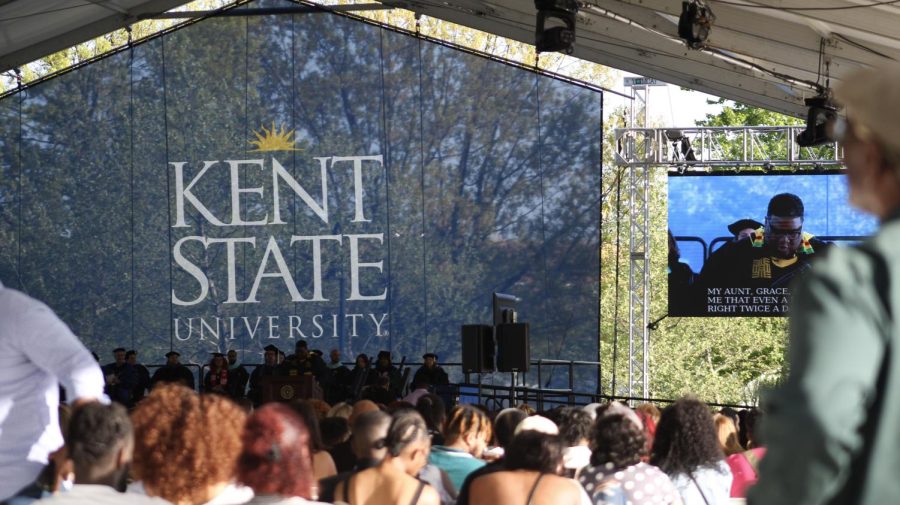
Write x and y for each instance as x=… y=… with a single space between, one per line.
x=680 y=150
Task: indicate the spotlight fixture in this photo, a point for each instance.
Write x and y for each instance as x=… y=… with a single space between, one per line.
x=681 y=145
x=555 y=29
x=821 y=111
x=695 y=22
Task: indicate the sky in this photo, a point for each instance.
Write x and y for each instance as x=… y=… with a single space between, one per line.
x=670 y=105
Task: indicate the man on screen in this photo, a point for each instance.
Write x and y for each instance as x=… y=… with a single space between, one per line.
x=750 y=276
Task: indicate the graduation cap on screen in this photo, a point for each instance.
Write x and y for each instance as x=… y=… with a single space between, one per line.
x=743 y=224
x=218 y=355
x=272 y=348
x=173 y=353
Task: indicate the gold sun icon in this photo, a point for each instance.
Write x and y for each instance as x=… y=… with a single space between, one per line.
x=273 y=139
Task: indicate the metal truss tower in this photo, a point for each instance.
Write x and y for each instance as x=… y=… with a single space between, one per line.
x=641 y=150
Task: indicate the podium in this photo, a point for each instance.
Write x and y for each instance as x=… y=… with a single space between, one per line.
x=290 y=387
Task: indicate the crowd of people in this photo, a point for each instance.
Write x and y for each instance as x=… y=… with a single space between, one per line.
x=830 y=433
x=127 y=381
x=182 y=447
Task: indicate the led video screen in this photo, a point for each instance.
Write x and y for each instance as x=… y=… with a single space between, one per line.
x=738 y=242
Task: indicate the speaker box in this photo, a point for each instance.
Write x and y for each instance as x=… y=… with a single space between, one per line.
x=477 y=348
x=513 y=351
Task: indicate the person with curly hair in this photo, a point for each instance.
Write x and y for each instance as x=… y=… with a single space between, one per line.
x=275 y=461
x=575 y=432
x=467 y=432
x=616 y=473
x=393 y=479
x=533 y=463
x=687 y=450
x=186 y=446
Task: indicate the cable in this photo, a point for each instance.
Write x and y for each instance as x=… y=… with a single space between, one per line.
x=131 y=167
x=616 y=290
x=172 y=325
x=386 y=165
x=422 y=161
x=790 y=8
x=861 y=46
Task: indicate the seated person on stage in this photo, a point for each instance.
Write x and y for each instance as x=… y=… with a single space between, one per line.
x=267 y=369
x=303 y=363
x=384 y=367
x=173 y=371
x=216 y=380
x=431 y=373
x=120 y=379
x=361 y=376
x=237 y=377
x=142 y=374
x=339 y=388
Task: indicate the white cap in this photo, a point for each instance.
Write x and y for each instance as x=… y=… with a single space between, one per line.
x=871 y=97
x=537 y=423
x=616 y=408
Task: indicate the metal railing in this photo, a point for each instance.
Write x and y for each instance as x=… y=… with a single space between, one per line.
x=506 y=394
x=702 y=147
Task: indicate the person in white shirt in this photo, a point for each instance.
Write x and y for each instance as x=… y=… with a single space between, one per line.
x=687 y=449
x=100 y=445
x=37 y=353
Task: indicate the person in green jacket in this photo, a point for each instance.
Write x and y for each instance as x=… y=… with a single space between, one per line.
x=833 y=426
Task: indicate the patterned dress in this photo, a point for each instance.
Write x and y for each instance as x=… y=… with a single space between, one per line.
x=639 y=484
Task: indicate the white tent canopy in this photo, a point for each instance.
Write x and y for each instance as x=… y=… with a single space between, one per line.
x=760 y=52
x=32 y=29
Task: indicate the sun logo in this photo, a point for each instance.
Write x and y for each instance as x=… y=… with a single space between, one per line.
x=274 y=139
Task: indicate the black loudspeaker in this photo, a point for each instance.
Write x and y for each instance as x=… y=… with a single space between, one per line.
x=513 y=351
x=477 y=348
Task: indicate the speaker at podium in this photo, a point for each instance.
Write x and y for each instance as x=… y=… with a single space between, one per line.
x=285 y=388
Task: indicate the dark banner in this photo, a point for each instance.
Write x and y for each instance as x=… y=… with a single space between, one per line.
x=249 y=181
x=736 y=243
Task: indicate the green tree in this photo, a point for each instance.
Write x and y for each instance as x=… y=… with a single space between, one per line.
x=762 y=143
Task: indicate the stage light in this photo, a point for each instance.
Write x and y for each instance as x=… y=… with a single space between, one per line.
x=555 y=28
x=695 y=22
x=681 y=145
x=821 y=111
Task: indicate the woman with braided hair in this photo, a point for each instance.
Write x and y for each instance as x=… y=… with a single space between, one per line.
x=467 y=432
x=393 y=480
